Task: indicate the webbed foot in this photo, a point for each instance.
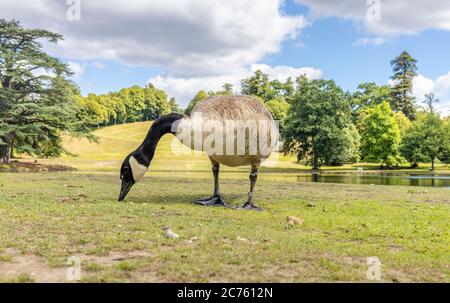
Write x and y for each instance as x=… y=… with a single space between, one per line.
x=212 y=201
x=249 y=206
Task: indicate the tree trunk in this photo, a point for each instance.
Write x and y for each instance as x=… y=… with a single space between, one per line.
x=432 y=164
x=6 y=154
x=315 y=163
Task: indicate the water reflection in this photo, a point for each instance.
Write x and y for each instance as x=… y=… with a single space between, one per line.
x=418 y=180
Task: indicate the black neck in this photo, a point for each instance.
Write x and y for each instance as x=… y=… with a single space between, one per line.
x=161 y=126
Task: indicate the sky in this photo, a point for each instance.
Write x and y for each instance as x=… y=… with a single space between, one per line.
x=183 y=46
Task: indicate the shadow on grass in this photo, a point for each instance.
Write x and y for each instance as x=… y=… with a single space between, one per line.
x=181 y=199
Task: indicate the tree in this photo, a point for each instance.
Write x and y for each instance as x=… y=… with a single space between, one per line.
x=92 y=110
x=404 y=69
x=429 y=102
x=228 y=88
x=313 y=129
x=128 y=105
x=403 y=122
x=426 y=140
x=288 y=90
x=369 y=94
x=348 y=149
x=380 y=135
x=174 y=107
x=278 y=107
x=37 y=101
x=201 y=95
x=445 y=154
x=260 y=85
x=155 y=103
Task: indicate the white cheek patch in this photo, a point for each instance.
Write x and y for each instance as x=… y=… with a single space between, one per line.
x=137 y=169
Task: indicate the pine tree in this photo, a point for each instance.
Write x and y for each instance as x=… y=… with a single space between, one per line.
x=37 y=101
x=405 y=69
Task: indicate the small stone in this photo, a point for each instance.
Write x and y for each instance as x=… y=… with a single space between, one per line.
x=169 y=233
x=242 y=239
x=293 y=220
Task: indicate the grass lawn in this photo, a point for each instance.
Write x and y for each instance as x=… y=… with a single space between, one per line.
x=46 y=217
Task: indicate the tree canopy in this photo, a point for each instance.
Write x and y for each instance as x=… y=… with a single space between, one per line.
x=319 y=112
x=426 y=140
x=261 y=86
x=37 y=100
x=127 y=105
x=369 y=94
x=380 y=135
x=404 y=68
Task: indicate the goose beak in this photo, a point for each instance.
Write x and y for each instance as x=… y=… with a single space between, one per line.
x=126 y=186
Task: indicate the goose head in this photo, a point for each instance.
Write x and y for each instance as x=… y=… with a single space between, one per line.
x=133 y=169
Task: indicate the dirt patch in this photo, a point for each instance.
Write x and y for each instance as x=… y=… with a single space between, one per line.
x=38 y=270
x=34 y=267
x=33 y=166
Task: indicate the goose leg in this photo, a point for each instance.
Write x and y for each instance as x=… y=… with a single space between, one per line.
x=249 y=205
x=216 y=199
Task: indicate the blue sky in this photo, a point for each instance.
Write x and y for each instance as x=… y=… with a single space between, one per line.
x=326 y=44
x=184 y=46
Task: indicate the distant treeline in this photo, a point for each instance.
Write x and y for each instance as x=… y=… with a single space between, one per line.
x=324 y=125
x=127 y=105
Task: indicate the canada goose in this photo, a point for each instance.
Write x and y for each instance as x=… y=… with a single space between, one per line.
x=250 y=123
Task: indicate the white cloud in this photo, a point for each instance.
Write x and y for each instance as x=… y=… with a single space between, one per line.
x=189 y=38
x=395 y=16
x=184 y=89
x=98 y=65
x=76 y=68
x=369 y=41
x=440 y=87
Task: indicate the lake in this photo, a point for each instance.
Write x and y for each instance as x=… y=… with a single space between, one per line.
x=409 y=180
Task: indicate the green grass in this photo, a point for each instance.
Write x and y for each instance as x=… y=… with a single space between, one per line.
x=54 y=216
x=46 y=217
